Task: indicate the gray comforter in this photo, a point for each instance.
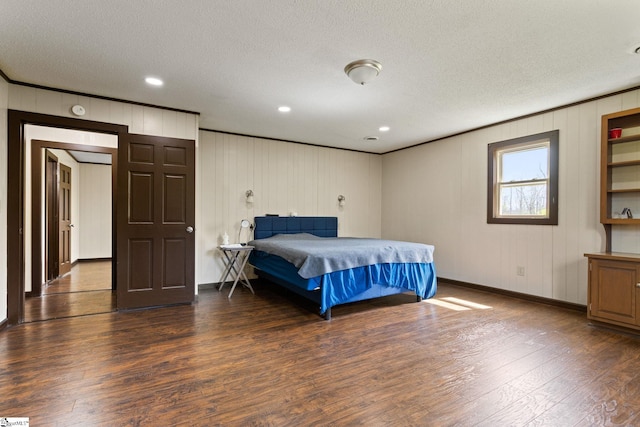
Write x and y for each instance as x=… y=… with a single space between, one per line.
x=315 y=256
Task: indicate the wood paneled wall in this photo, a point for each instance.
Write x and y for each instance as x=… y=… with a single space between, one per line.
x=285 y=178
x=139 y=119
x=436 y=193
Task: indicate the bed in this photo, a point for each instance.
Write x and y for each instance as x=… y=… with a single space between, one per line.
x=304 y=255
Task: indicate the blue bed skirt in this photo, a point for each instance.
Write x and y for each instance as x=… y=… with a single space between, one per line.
x=351 y=285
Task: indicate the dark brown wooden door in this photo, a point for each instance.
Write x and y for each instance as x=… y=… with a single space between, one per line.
x=52 y=224
x=64 y=217
x=156 y=215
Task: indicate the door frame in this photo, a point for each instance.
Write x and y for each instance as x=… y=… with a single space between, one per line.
x=15 y=196
x=36 y=202
x=51 y=223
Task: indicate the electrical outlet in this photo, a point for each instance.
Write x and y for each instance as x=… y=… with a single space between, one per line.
x=520 y=270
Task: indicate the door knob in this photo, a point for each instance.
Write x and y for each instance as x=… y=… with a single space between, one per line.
x=189 y=229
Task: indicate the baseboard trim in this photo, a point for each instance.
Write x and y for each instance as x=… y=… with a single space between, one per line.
x=203 y=286
x=615 y=328
x=4 y=324
x=513 y=294
x=93 y=259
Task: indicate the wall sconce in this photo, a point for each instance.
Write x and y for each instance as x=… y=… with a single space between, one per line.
x=249 y=196
x=341 y=200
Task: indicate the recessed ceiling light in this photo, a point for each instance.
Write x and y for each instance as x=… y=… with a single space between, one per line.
x=384 y=128
x=284 y=109
x=370 y=138
x=154 y=81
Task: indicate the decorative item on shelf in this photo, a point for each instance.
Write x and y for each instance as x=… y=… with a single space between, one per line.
x=615 y=133
x=225 y=238
x=626 y=212
x=249 y=195
x=245 y=225
x=363 y=71
x=341 y=200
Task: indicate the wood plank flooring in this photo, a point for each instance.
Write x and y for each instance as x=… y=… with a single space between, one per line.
x=468 y=358
x=85 y=290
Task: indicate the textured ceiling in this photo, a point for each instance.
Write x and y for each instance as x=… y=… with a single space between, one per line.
x=448 y=66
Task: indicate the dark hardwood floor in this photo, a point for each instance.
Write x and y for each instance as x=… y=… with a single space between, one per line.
x=85 y=290
x=468 y=358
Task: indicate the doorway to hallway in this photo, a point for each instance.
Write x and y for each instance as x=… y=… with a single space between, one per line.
x=85 y=290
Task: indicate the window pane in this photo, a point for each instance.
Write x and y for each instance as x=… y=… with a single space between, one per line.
x=525 y=165
x=529 y=200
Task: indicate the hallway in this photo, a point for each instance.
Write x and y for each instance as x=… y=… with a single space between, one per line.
x=86 y=290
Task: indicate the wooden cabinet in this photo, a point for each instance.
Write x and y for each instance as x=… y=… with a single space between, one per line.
x=614 y=289
x=614 y=277
x=620 y=171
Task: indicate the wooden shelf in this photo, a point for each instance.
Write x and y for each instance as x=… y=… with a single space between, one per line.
x=624 y=190
x=618 y=186
x=623 y=139
x=621 y=221
x=624 y=164
x=621 y=256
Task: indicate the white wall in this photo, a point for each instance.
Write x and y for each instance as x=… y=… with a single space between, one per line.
x=285 y=178
x=4 y=102
x=437 y=193
x=94 y=211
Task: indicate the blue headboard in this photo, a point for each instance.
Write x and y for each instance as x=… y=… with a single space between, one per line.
x=322 y=226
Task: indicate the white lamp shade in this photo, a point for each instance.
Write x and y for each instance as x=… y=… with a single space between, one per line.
x=363 y=71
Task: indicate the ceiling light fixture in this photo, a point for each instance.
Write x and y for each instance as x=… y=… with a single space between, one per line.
x=384 y=128
x=370 y=138
x=284 y=109
x=154 y=81
x=363 y=70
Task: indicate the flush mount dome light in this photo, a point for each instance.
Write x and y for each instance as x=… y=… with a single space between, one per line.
x=363 y=71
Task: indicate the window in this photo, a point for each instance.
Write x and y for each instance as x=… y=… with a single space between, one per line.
x=523 y=180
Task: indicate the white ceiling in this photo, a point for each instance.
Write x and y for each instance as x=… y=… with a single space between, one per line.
x=90 y=157
x=448 y=65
